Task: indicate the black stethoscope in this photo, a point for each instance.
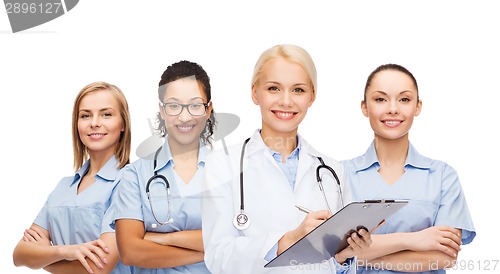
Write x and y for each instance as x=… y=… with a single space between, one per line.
x=163 y=180
x=241 y=220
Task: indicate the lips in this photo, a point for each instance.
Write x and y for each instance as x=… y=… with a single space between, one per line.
x=96 y=136
x=392 y=123
x=284 y=115
x=185 y=128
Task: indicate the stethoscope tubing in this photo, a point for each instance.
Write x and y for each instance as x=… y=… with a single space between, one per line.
x=167 y=186
x=241 y=221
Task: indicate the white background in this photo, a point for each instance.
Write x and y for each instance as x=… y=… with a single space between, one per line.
x=452 y=48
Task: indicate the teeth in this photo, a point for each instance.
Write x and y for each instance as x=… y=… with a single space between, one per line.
x=284 y=114
x=184 y=128
x=391 y=122
x=96 y=134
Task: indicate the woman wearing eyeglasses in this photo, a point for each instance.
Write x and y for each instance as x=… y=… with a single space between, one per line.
x=157 y=208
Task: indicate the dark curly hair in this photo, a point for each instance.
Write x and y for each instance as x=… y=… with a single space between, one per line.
x=178 y=71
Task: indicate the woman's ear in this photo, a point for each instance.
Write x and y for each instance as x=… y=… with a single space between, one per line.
x=364 y=109
x=419 y=108
x=160 y=109
x=255 y=96
x=209 y=109
x=313 y=97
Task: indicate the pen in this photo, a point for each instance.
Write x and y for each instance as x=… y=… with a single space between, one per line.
x=303 y=209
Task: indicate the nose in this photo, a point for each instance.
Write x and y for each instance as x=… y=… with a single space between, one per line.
x=184 y=116
x=95 y=122
x=393 y=107
x=286 y=99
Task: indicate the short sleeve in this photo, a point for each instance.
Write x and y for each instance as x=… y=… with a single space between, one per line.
x=42 y=217
x=453 y=210
x=108 y=218
x=126 y=199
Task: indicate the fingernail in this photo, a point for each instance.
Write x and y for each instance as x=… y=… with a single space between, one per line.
x=107 y=249
x=100 y=265
x=105 y=260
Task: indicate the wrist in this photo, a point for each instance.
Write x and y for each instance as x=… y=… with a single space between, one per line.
x=61 y=251
x=167 y=238
x=340 y=259
x=405 y=241
x=286 y=241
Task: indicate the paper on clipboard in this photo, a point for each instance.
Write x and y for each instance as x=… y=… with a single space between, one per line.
x=330 y=237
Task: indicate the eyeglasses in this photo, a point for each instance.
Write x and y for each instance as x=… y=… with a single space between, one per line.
x=174 y=109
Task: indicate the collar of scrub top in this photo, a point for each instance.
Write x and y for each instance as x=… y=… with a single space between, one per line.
x=165 y=155
x=108 y=172
x=370 y=158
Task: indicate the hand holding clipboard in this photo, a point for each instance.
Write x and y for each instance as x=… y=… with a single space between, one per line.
x=330 y=236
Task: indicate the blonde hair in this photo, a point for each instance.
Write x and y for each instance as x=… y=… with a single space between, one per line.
x=291 y=53
x=122 y=153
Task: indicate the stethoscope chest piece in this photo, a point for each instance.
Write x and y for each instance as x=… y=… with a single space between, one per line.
x=241 y=221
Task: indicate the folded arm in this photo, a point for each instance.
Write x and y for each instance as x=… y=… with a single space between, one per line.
x=411 y=261
x=428 y=248
x=188 y=239
x=135 y=249
x=35 y=251
x=75 y=267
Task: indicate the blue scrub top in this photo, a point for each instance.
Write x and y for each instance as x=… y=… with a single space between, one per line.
x=132 y=201
x=431 y=186
x=73 y=218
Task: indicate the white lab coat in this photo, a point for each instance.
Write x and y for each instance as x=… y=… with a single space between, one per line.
x=269 y=203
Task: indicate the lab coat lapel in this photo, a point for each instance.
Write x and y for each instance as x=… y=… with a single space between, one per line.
x=305 y=162
x=307 y=158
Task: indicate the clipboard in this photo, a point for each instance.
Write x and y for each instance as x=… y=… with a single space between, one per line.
x=329 y=238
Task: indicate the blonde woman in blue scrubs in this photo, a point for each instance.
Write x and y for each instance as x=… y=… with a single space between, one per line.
x=425 y=236
x=162 y=233
x=71 y=234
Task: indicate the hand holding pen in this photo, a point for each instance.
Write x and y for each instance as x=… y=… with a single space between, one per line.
x=303 y=209
x=310 y=222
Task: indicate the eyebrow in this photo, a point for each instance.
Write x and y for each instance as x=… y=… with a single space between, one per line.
x=278 y=83
x=404 y=91
x=192 y=99
x=101 y=110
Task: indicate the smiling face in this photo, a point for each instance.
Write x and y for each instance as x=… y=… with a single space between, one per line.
x=391 y=104
x=284 y=94
x=185 y=129
x=99 y=122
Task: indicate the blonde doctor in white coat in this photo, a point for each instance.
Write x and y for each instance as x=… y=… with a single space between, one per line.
x=247 y=224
